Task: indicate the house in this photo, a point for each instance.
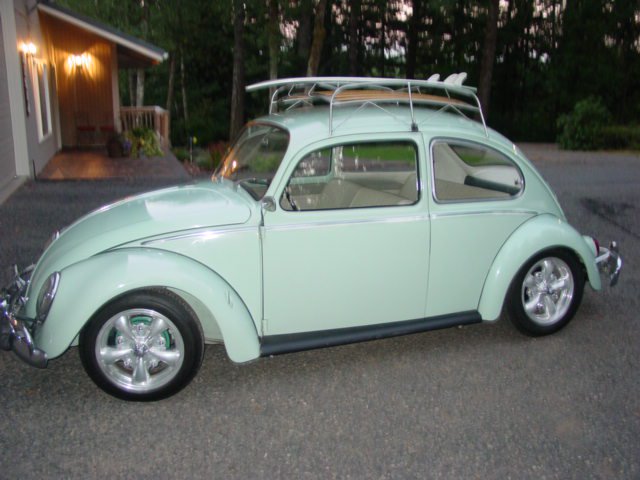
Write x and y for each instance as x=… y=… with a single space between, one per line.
x=59 y=85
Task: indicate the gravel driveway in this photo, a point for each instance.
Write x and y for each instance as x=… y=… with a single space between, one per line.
x=474 y=402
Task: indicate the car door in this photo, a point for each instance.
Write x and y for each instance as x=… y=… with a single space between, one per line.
x=478 y=199
x=347 y=244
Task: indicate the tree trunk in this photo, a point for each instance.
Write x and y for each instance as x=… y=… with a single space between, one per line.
x=172 y=71
x=354 y=18
x=185 y=111
x=304 y=29
x=132 y=89
x=274 y=40
x=140 y=87
x=488 y=56
x=413 y=37
x=140 y=73
x=383 y=38
x=319 y=33
x=237 y=90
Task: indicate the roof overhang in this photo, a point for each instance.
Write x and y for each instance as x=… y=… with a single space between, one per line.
x=132 y=52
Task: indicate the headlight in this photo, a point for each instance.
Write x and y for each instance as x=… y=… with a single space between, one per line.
x=46 y=296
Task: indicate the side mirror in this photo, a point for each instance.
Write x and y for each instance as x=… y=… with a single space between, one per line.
x=268 y=204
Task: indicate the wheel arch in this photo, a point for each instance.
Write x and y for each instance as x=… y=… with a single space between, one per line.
x=88 y=286
x=539 y=234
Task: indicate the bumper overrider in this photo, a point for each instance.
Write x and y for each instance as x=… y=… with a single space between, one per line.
x=16 y=332
x=609 y=262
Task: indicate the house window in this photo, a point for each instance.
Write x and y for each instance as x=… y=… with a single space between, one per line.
x=41 y=97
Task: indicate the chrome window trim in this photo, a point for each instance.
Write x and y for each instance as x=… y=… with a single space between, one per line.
x=334 y=144
x=435 y=216
x=471 y=143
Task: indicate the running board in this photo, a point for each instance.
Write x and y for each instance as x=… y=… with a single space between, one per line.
x=297 y=342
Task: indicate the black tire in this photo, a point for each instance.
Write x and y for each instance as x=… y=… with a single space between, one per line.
x=143 y=346
x=546 y=293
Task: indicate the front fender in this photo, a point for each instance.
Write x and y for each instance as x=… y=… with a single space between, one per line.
x=540 y=233
x=88 y=285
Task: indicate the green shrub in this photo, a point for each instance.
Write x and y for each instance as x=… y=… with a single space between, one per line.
x=621 y=137
x=582 y=128
x=202 y=158
x=181 y=153
x=144 y=140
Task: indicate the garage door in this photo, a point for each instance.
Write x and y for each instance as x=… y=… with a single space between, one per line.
x=7 y=159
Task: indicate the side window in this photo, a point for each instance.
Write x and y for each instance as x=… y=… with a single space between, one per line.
x=316 y=164
x=359 y=175
x=467 y=171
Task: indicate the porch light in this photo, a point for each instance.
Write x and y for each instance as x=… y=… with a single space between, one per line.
x=79 y=61
x=28 y=48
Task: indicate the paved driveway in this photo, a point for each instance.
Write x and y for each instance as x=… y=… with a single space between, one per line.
x=474 y=402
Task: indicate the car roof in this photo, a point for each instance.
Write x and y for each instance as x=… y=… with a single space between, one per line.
x=311 y=124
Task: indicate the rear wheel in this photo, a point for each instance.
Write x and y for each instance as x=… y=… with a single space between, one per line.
x=144 y=346
x=546 y=293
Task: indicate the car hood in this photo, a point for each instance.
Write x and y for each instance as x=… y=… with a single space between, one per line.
x=170 y=210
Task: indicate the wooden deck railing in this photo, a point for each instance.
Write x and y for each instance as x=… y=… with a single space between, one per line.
x=154 y=117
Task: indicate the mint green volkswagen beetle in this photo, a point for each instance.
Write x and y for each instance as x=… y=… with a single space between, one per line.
x=358 y=208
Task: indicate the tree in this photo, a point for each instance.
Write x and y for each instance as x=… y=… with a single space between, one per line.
x=274 y=38
x=532 y=60
x=303 y=34
x=488 y=55
x=412 y=37
x=319 y=34
x=237 y=89
x=354 y=39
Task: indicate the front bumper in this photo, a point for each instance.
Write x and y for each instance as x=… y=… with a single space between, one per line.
x=16 y=333
x=609 y=263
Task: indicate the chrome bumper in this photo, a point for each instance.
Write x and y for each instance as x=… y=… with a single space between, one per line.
x=15 y=333
x=609 y=263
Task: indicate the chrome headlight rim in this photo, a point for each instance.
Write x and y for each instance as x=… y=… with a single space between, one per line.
x=46 y=296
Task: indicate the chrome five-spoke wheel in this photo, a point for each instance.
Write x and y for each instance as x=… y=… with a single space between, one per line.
x=144 y=346
x=547 y=290
x=546 y=293
x=139 y=349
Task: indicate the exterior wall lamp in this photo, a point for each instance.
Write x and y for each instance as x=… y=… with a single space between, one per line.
x=28 y=48
x=79 y=61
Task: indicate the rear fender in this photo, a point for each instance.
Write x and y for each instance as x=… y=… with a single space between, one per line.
x=543 y=232
x=88 y=285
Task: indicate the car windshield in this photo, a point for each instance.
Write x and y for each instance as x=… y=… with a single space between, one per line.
x=255 y=158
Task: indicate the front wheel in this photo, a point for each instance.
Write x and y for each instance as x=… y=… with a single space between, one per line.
x=546 y=293
x=144 y=346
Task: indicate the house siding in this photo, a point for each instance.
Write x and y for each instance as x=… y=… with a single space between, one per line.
x=28 y=30
x=85 y=94
x=7 y=154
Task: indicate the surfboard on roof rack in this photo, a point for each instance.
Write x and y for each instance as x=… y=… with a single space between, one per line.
x=447 y=95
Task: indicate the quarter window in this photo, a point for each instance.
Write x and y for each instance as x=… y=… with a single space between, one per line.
x=255 y=158
x=372 y=174
x=465 y=171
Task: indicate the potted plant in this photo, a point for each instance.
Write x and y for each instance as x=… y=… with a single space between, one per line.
x=118 y=146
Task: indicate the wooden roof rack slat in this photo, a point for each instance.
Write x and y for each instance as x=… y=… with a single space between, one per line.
x=335 y=91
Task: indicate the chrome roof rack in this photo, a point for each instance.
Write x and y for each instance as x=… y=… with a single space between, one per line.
x=446 y=95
